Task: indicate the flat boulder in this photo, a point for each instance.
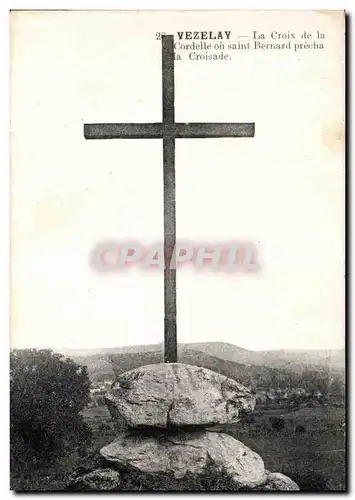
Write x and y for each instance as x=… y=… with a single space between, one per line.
x=181 y=456
x=169 y=395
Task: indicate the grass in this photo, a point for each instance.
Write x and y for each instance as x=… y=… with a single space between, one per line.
x=315 y=457
x=320 y=450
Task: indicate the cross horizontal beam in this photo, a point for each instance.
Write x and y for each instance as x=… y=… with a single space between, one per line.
x=167 y=130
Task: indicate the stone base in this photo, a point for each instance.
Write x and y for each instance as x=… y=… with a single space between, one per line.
x=183 y=455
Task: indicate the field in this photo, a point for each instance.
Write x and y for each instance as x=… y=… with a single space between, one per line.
x=315 y=458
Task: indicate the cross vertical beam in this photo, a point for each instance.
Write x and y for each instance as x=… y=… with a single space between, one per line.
x=168 y=130
x=168 y=95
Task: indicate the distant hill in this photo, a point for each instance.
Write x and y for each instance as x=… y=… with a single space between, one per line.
x=294 y=360
x=99 y=366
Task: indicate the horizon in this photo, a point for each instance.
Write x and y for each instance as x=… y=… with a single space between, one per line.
x=101 y=348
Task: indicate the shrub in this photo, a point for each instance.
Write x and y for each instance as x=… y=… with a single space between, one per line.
x=47 y=394
x=300 y=429
x=277 y=423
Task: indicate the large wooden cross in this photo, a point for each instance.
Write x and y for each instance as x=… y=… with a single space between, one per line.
x=168 y=130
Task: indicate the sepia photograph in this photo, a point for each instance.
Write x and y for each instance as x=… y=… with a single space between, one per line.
x=177 y=194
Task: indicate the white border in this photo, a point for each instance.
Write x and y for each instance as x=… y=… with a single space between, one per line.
x=7 y=5
x=178 y=4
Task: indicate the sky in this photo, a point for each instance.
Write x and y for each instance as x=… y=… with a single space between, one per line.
x=282 y=190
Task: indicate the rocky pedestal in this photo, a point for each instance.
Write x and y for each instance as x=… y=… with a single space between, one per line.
x=182 y=455
x=164 y=411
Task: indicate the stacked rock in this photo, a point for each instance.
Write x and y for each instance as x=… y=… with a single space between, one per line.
x=166 y=412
